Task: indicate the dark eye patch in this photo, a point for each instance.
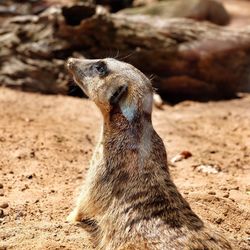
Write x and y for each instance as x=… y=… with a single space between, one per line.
x=116 y=97
x=100 y=68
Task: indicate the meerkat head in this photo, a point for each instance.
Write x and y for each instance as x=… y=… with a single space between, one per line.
x=113 y=85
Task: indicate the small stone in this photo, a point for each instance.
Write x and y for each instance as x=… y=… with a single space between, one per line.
x=25 y=187
x=226 y=195
x=212 y=192
x=2 y=139
x=4 y=205
x=181 y=156
x=1 y=185
x=32 y=154
x=208 y=169
x=234 y=188
x=213 y=151
x=19 y=215
x=218 y=220
x=248 y=189
x=1 y=213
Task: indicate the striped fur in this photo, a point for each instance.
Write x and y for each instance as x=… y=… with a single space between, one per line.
x=128 y=190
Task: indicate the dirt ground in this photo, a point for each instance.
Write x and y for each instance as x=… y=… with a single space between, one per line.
x=47 y=141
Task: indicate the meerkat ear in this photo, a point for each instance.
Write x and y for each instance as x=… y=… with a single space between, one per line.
x=118 y=94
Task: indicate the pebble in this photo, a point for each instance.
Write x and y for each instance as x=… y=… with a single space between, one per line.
x=30 y=176
x=1 y=185
x=208 y=169
x=4 y=205
x=248 y=189
x=19 y=215
x=212 y=192
x=226 y=195
x=181 y=156
x=2 y=139
x=1 y=213
x=218 y=220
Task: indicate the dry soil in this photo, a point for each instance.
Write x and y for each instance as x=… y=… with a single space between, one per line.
x=46 y=143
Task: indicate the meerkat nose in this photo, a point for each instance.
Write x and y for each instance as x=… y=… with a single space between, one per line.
x=70 y=63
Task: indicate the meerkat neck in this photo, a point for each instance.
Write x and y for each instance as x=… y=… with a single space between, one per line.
x=126 y=130
x=131 y=142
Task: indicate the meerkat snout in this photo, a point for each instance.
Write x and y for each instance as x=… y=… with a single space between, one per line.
x=69 y=63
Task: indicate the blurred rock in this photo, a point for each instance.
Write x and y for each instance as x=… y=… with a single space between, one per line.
x=188 y=59
x=1 y=213
x=4 y=205
x=25 y=7
x=201 y=10
x=115 y=5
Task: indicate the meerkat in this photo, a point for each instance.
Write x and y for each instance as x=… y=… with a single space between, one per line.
x=128 y=191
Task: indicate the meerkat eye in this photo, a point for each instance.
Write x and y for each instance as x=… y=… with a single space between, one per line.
x=100 y=68
x=118 y=94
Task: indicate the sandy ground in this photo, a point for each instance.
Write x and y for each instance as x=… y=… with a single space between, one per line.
x=47 y=141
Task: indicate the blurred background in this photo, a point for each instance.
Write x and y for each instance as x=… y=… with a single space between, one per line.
x=196 y=49
x=197 y=54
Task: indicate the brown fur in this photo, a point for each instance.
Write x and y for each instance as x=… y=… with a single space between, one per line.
x=128 y=191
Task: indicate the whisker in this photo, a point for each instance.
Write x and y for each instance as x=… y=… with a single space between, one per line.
x=127 y=56
x=152 y=77
x=117 y=54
